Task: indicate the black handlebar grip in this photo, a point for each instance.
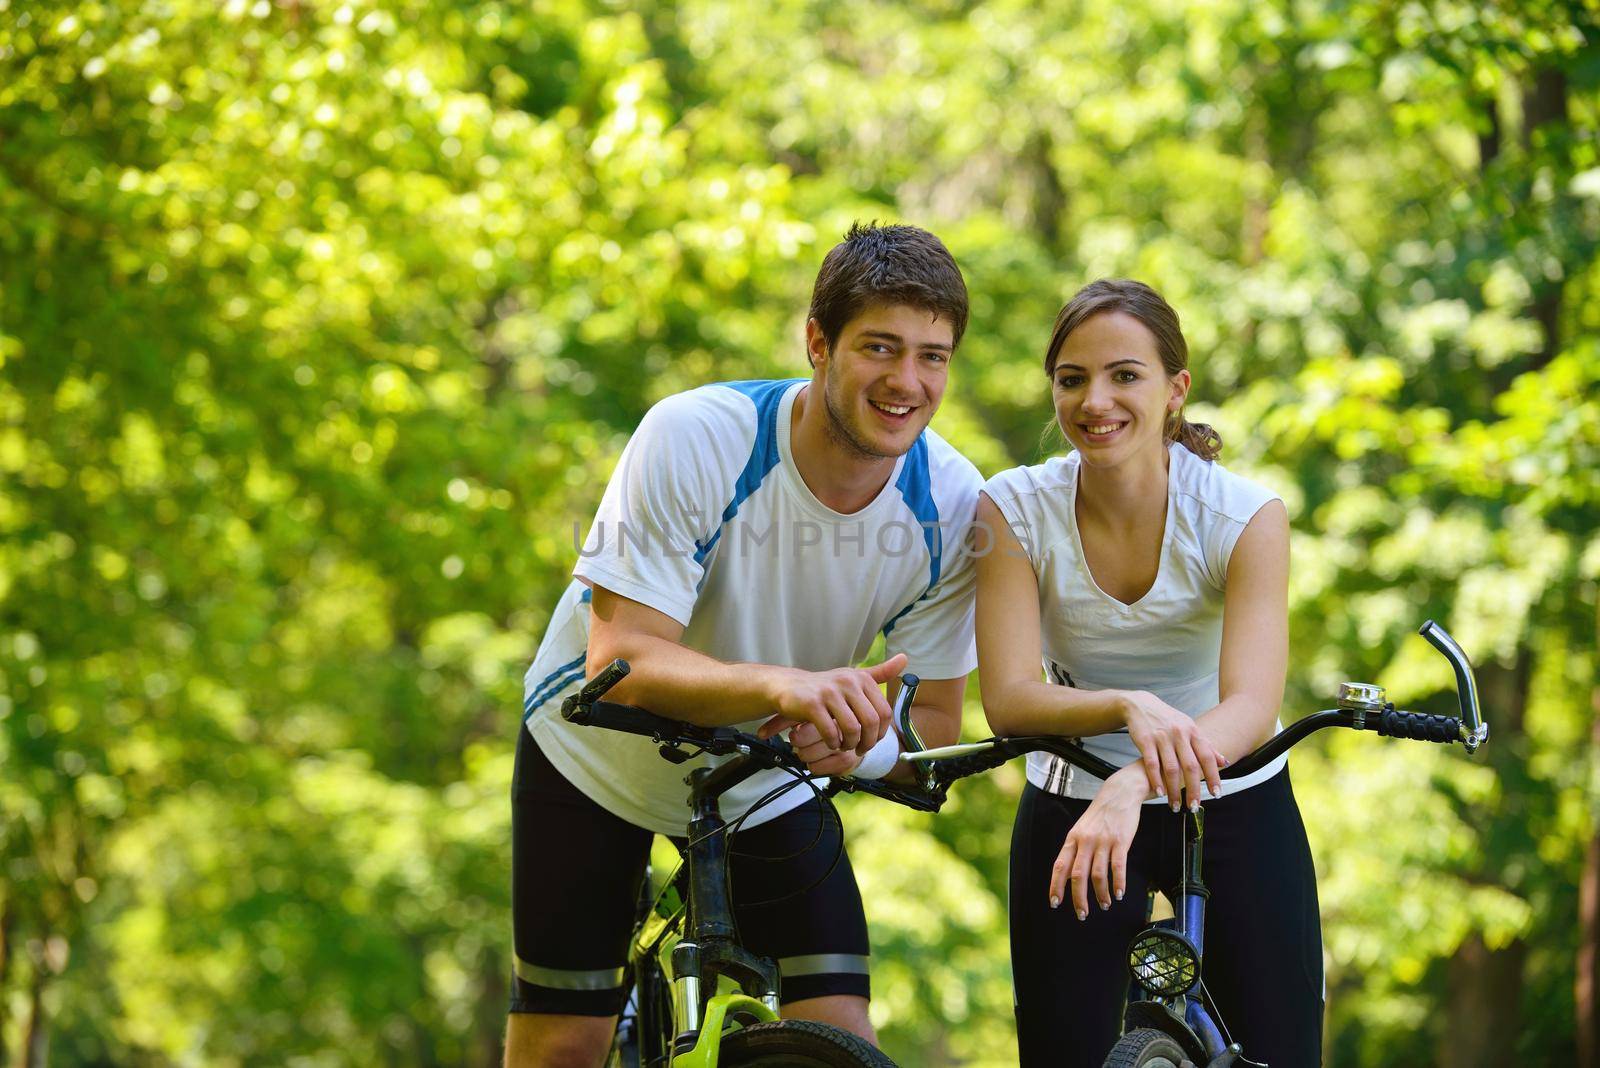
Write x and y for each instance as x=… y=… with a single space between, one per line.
x=609 y=676
x=1424 y=728
x=624 y=718
x=960 y=767
x=920 y=800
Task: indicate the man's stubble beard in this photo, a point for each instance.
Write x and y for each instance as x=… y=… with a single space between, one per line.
x=838 y=429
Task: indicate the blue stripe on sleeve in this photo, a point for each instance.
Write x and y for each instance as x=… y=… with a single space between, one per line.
x=766 y=395
x=916 y=488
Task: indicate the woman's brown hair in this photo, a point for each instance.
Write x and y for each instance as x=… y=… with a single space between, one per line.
x=1147 y=306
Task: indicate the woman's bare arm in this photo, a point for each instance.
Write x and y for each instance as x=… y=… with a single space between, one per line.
x=1016 y=700
x=1255 y=636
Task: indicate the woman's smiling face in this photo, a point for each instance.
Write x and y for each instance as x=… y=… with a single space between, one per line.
x=1112 y=395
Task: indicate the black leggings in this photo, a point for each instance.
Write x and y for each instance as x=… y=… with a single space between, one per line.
x=1263 y=936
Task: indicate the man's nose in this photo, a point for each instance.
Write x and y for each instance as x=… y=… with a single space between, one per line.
x=903 y=375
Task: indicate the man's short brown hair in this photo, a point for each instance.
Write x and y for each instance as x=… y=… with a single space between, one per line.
x=888 y=265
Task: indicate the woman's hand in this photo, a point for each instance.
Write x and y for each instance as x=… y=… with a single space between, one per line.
x=1172 y=751
x=1096 y=850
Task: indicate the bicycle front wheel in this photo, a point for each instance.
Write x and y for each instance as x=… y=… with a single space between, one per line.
x=1146 y=1048
x=798 y=1044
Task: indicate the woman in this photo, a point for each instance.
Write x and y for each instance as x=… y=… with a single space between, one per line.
x=1152 y=584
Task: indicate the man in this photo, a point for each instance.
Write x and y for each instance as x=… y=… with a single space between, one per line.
x=753 y=541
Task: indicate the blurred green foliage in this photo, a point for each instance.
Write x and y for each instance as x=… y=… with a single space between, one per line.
x=323 y=321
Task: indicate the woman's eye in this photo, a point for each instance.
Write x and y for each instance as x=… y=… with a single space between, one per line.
x=1127 y=376
x=1069 y=381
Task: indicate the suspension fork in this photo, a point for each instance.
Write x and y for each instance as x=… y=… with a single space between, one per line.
x=710 y=945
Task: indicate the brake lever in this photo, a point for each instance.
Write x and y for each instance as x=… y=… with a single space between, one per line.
x=1474 y=731
x=910 y=739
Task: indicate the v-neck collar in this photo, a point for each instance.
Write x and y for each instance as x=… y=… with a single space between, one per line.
x=1083 y=557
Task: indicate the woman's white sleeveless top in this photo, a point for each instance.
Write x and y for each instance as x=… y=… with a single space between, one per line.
x=1168 y=642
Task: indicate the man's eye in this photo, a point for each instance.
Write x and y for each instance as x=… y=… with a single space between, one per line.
x=936 y=357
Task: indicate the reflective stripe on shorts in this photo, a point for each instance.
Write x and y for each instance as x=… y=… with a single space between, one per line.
x=569 y=978
x=823 y=964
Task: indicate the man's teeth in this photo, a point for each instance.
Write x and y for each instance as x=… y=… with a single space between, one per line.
x=892 y=409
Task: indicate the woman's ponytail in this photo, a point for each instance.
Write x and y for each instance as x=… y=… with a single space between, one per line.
x=1199 y=438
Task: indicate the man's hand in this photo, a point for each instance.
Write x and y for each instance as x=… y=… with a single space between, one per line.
x=845 y=705
x=819 y=756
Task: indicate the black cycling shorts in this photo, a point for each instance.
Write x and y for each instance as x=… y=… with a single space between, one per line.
x=576 y=871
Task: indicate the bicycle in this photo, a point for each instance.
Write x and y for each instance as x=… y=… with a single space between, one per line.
x=684 y=944
x=684 y=1022
x=1170 y=1021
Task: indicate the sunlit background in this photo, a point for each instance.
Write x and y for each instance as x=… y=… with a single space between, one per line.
x=322 y=323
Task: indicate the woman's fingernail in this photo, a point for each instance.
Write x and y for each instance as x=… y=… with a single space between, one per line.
x=1055 y=902
x=1104 y=905
x=1083 y=914
x=1119 y=895
x=1194 y=806
x=1161 y=791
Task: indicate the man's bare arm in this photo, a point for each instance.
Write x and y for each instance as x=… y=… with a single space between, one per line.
x=845 y=704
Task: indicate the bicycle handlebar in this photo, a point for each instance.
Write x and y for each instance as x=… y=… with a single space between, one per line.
x=1362 y=707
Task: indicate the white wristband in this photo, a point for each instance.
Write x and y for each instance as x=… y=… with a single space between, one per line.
x=881 y=758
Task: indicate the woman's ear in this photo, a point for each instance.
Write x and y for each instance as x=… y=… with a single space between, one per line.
x=1180 y=391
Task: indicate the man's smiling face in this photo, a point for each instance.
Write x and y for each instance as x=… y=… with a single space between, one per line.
x=884 y=377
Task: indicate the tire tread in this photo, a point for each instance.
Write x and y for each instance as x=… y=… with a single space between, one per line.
x=1133 y=1048
x=828 y=1045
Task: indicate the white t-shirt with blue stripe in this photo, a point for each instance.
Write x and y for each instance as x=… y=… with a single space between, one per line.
x=1168 y=642
x=707 y=520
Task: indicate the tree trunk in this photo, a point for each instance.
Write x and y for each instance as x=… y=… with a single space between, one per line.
x=36 y=1036
x=7 y=921
x=1485 y=990
x=1489 y=140
x=1586 y=982
x=489 y=1028
x=1586 y=986
x=1545 y=104
x=1483 y=1008
x=1049 y=197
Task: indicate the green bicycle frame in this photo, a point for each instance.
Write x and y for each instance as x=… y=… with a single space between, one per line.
x=709 y=1043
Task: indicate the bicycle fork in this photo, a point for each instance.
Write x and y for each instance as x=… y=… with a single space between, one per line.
x=1165 y=960
x=710 y=948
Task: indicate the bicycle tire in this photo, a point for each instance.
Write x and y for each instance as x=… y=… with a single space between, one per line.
x=798 y=1044
x=1147 y=1048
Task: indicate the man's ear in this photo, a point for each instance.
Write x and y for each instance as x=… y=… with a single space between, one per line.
x=816 y=344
